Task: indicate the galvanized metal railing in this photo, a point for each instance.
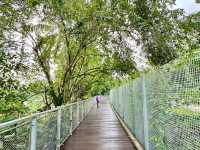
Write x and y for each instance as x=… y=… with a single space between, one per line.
x=43 y=131
x=162 y=107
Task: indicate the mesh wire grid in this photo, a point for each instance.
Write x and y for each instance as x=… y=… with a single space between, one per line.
x=162 y=108
x=80 y=112
x=47 y=131
x=75 y=118
x=18 y=136
x=65 y=123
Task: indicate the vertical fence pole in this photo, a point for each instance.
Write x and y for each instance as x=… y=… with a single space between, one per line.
x=123 y=104
x=145 y=113
x=82 y=110
x=78 y=121
x=86 y=108
x=71 y=119
x=33 y=133
x=84 y=113
x=58 y=128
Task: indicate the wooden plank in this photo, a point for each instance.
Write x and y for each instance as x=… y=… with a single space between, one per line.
x=101 y=130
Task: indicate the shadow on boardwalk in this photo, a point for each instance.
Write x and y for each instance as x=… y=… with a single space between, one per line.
x=99 y=131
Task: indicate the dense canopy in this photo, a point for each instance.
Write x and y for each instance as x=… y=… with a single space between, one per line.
x=54 y=52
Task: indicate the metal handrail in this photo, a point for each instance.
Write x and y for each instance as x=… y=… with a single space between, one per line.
x=45 y=129
x=16 y=121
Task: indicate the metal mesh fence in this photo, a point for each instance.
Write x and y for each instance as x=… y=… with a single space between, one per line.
x=75 y=121
x=43 y=131
x=162 y=107
x=46 y=131
x=16 y=137
x=65 y=123
x=81 y=111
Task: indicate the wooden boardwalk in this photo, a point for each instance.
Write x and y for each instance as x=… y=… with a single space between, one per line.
x=99 y=131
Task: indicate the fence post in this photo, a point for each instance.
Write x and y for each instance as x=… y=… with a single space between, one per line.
x=82 y=110
x=58 y=128
x=145 y=114
x=84 y=114
x=85 y=108
x=33 y=133
x=71 y=119
x=78 y=121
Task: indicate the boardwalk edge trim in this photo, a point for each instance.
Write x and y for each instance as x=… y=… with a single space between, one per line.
x=135 y=142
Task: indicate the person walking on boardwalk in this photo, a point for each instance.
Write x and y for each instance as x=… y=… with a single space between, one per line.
x=98 y=101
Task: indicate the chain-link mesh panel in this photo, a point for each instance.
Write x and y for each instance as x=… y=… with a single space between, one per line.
x=50 y=129
x=127 y=101
x=84 y=110
x=89 y=104
x=162 y=108
x=65 y=123
x=156 y=85
x=137 y=105
x=80 y=112
x=47 y=131
x=16 y=137
x=74 y=116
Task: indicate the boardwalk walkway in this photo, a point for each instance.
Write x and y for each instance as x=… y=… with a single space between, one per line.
x=99 y=131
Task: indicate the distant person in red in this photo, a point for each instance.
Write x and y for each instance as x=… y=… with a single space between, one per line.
x=98 y=101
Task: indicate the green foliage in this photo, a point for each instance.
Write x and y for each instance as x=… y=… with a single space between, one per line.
x=197 y=1
x=159 y=27
x=12 y=94
x=71 y=49
x=184 y=112
x=191 y=27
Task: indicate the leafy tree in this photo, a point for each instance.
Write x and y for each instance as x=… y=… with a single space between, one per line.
x=69 y=37
x=191 y=27
x=75 y=46
x=12 y=94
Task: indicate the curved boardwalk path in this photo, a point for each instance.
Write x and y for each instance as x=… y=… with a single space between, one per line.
x=99 y=131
